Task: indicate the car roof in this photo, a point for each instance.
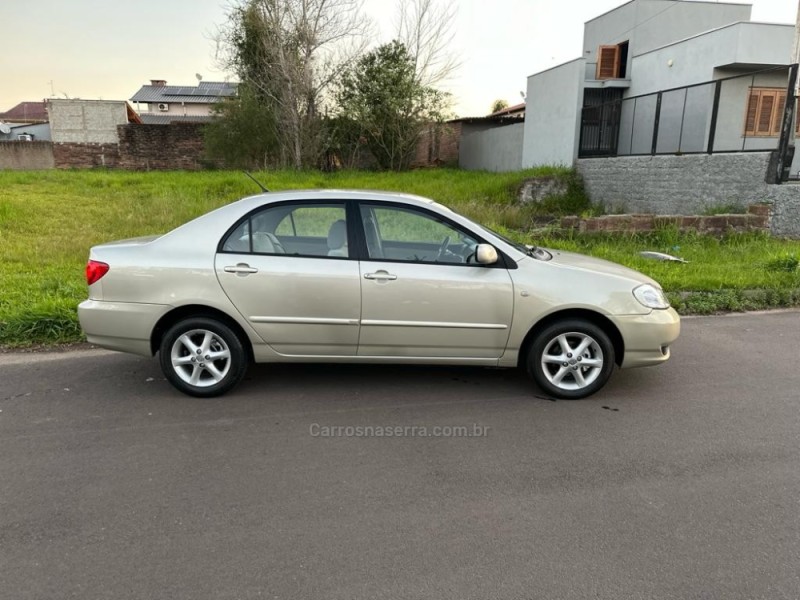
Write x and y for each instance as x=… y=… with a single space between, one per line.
x=215 y=223
x=341 y=194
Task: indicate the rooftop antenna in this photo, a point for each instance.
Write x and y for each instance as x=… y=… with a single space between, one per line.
x=258 y=183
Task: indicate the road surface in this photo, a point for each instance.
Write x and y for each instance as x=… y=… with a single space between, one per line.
x=681 y=481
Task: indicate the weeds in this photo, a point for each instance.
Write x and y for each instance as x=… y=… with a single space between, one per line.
x=50 y=219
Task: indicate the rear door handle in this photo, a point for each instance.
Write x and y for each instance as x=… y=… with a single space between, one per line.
x=380 y=276
x=241 y=268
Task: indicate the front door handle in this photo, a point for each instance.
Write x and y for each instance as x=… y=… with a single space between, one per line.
x=380 y=276
x=241 y=268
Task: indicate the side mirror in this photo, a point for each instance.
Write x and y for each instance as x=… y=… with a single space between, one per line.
x=486 y=254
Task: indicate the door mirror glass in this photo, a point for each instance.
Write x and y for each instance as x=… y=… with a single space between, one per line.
x=486 y=254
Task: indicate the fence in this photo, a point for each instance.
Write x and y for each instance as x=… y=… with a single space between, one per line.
x=742 y=113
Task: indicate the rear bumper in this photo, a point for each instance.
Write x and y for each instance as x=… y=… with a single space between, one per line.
x=647 y=338
x=123 y=326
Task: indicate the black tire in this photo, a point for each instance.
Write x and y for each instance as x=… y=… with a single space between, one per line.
x=217 y=371
x=578 y=379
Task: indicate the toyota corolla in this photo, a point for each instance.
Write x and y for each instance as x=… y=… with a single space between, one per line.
x=367 y=277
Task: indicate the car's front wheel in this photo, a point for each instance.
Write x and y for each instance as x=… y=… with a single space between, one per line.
x=571 y=359
x=202 y=357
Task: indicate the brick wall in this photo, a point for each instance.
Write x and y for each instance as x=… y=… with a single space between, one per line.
x=161 y=147
x=438 y=145
x=757 y=219
x=26 y=155
x=140 y=148
x=85 y=156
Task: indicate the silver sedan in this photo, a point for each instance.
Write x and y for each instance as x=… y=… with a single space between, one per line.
x=369 y=277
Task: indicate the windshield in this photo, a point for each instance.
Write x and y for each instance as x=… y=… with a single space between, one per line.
x=513 y=244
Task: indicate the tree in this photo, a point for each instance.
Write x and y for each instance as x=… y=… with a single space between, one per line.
x=383 y=94
x=289 y=52
x=243 y=134
x=425 y=27
x=499 y=105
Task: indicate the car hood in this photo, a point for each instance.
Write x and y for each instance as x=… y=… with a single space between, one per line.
x=597 y=265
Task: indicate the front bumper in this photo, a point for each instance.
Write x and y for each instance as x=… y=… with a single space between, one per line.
x=123 y=326
x=647 y=338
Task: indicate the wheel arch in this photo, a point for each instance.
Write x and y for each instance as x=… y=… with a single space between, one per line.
x=574 y=313
x=197 y=310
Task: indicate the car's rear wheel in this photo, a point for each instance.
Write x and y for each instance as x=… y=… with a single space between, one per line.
x=202 y=357
x=571 y=359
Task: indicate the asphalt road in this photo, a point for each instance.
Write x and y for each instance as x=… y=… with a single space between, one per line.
x=681 y=481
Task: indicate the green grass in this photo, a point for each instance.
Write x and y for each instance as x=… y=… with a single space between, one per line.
x=736 y=261
x=725 y=209
x=50 y=219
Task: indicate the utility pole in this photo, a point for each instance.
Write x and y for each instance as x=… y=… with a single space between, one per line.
x=796 y=49
x=781 y=162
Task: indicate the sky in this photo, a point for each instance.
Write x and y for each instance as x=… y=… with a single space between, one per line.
x=109 y=48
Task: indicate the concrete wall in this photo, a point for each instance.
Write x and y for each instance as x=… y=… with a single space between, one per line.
x=497 y=149
x=26 y=155
x=754 y=46
x=676 y=184
x=649 y=24
x=552 y=116
x=695 y=60
x=86 y=121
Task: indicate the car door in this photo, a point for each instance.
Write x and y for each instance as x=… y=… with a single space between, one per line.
x=287 y=269
x=422 y=293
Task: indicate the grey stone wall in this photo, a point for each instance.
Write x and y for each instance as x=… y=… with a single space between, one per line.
x=785 y=210
x=675 y=185
x=690 y=185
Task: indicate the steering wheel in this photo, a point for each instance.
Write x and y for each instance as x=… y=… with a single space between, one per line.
x=443 y=248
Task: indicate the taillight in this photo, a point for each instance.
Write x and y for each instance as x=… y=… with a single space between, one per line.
x=95 y=270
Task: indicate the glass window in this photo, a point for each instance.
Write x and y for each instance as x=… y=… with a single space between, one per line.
x=296 y=230
x=395 y=233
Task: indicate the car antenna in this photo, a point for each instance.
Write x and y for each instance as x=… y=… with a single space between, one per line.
x=258 y=183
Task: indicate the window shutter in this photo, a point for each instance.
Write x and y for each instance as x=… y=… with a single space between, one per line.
x=780 y=107
x=608 y=62
x=752 y=111
x=765 y=112
x=796 y=117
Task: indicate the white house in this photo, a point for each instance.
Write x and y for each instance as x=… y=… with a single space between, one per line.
x=662 y=77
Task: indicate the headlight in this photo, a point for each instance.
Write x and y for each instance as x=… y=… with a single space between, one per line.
x=651 y=296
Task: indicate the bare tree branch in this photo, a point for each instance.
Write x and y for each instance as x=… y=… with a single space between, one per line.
x=291 y=51
x=426 y=28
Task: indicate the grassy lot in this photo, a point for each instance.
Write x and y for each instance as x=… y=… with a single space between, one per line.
x=49 y=219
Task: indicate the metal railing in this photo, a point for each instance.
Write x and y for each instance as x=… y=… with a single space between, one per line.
x=709 y=117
